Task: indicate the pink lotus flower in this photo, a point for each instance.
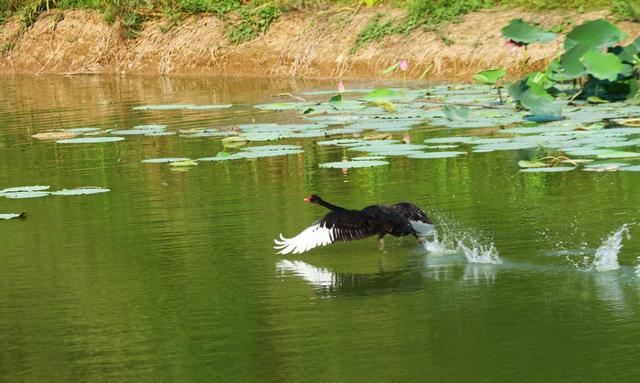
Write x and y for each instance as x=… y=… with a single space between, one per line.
x=341 y=87
x=513 y=45
x=404 y=65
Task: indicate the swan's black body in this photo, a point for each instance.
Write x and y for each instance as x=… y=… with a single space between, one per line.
x=346 y=225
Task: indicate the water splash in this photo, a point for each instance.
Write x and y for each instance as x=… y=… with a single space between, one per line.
x=476 y=252
x=473 y=249
x=606 y=257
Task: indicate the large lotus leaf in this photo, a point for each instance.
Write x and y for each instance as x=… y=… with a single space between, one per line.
x=571 y=67
x=594 y=34
x=525 y=33
x=539 y=102
x=629 y=53
x=489 y=76
x=383 y=93
x=603 y=66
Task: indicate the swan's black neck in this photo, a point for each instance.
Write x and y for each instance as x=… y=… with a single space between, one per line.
x=329 y=206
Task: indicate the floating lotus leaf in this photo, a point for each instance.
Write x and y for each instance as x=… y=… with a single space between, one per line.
x=450 y=140
x=223 y=156
x=635 y=168
x=594 y=34
x=11 y=216
x=160 y=134
x=341 y=142
x=353 y=164
x=135 y=132
x=539 y=102
x=283 y=105
x=264 y=148
x=505 y=146
x=525 y=33
x=54 y=135
x=164 y=160
x=208 y=134
x=367 y=158
x=442 y=146
x=385 y=104
x=151 y=127
x=532 y=164
x=616 y=154
x=234 y=141
x=25 y=194
x=271 y=153
x=183 y=164
x=603 y=66
x=425 y=155
x=391 y=148
x=25 y=189
x=90 y=140
x=556 y=169
x=535 y=130
x=456 y=113
x=605 y=165
x=490 y=76
x=383 y=93
x=81 y=191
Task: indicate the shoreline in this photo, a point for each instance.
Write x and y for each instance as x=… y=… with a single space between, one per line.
x=298 y=45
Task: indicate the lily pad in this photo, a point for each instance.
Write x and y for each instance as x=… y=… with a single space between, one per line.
x=25 y=194
x=54 y=135
x=635 y=168
x=556 y=169
x=264 y=148
x=532 y=164
x=383 y=93
x=81 y=191
x=183 y=164
x=456 y=113
x=234 y=141
x=164 y=160
x=90 y=140
x=25 y=189
x=353 y=164
x=426 y=155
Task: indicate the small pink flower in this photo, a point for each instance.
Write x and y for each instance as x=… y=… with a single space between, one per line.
x=341 y=87
x=513 y=45
x=404 y=65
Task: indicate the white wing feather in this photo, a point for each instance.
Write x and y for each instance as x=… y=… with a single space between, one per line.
x=309 y=238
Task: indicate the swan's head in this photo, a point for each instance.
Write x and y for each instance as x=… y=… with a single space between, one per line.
x=313 y=198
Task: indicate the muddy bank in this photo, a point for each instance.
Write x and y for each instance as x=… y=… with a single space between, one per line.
x=298 y=44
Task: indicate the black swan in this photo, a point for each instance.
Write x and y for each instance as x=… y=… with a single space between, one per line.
x=347 y=225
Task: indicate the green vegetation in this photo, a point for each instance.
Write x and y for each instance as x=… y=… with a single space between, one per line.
x=603 y=76
x=246 y=19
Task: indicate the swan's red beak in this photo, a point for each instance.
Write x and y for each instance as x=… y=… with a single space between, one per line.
x=308 y=199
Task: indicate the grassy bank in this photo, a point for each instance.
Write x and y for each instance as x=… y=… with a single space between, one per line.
x=246 y=19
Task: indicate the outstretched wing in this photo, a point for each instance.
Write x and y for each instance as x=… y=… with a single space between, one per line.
x=418 y=218
x=347 y=225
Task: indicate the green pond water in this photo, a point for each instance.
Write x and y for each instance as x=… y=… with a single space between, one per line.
x=172 y=276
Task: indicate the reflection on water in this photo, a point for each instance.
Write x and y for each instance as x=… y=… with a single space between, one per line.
x=170 y=276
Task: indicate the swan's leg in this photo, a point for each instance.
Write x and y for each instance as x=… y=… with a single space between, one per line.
x=381 y=242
